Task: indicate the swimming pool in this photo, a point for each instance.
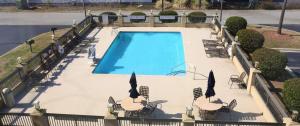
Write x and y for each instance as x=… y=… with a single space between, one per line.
x=145 y=53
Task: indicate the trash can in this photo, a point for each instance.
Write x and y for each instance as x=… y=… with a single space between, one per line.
x=22 y=4
x=8 y=97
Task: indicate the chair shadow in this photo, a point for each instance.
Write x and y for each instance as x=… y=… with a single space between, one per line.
x=160 y=114
x=30 y=95
x=159 y=101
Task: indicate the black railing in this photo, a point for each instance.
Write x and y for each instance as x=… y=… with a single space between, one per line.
x=199 y=19
x=74 y=120
x=125 y=121
x=223 y=123
x=273 y=104
x=243 y=59
x=128 y=19
x=229 y=38
x=15 y=119
x=217 y=22
x=24 y=119
x=168 y=19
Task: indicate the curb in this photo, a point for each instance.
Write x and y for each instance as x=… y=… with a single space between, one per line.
x=287 y=49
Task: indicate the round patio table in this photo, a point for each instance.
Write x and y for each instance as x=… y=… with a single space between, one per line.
x=204 y=104
x=130 y=104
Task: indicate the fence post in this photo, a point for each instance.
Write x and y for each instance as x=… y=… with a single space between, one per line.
x=251 y=78
x=288 y=121
x=183 y=20
x=151 y=19
x=233 y=49
x=110 y=119
x=38 y=117
x=21 y=72
x=120 y=19
x=187 y=121
x=223 y=31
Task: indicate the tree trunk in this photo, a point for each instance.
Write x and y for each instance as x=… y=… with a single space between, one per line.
x=30 y=48
x=282 y=17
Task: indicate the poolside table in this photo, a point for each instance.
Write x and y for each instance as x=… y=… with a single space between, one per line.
x=133 y=105
x=210 y=108
x=204 y=104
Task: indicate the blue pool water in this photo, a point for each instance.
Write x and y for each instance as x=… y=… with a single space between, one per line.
x=145 y=53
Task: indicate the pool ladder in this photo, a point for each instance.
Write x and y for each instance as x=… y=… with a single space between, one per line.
x=191 y=69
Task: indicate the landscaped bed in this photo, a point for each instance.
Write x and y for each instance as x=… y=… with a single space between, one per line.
x=289 y=38
x=8 y=61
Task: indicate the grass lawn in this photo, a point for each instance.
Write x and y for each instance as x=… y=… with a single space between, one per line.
x=8 y=60
x=289 y=39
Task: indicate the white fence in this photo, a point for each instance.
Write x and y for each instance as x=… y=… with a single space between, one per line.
x=78 y=1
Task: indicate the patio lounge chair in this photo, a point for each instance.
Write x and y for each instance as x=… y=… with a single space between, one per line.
x=229 y=107
x=144 y=91
x=237 y=79
x=197 y=93
x=116 y=106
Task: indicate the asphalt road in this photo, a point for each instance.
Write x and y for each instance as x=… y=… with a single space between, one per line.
x=294 y=62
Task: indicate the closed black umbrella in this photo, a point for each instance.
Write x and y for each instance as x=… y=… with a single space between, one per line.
x=133 y=92
x=210 y=85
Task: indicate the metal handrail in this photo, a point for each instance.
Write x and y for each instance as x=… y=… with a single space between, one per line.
x=243 y=59
x=197 y=122
x=261 y=84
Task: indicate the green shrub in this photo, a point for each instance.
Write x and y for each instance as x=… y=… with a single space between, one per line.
x=168 y=13
x=197 y=17
x=291 y=94
x=250 y=40
x=138 y=14
x=235 y=23
x=112 y=17
x=272 y=63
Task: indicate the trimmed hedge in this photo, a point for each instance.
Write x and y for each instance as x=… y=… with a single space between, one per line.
x=235 y=23
x=112 y=17
x=197 y=17
x=250 y=40
x=272 y=63
x=291 y=94
x=138 y=14
x=168 y=13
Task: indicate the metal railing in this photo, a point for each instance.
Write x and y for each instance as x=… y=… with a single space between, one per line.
x=218 y=23
x=45 y=58
x=273 y=104
x=15 y=119
x=52 y=119
x=160 y=20
x=224 y=123
x=127 y=19
x=229 y=38
x=74 y=120
x=125 y=121
x=242 y=57
x=199 y=19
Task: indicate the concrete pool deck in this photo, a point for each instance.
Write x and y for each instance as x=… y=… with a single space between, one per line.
x=76 y=90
